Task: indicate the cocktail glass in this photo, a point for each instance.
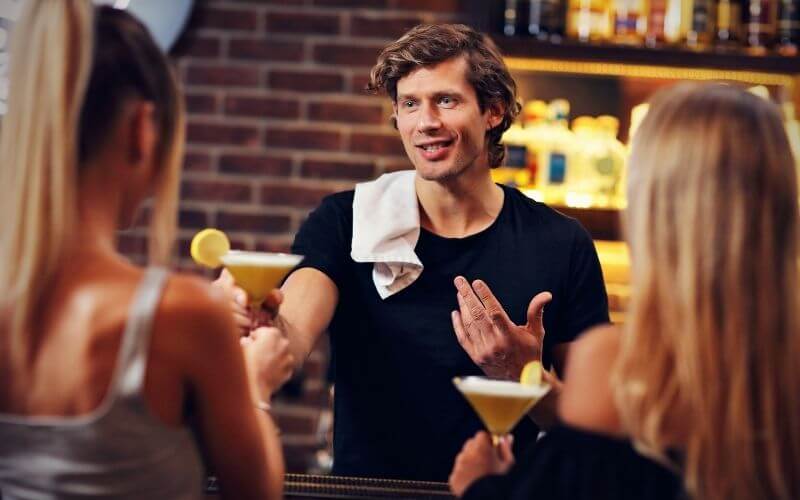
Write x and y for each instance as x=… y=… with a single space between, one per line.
x=257 y=273
x=500 y=404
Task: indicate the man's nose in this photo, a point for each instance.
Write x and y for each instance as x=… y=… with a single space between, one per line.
x=429 y=118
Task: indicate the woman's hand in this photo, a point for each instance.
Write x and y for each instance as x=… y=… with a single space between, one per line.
x=269 y=362
x=479 y=458
x=247 y=319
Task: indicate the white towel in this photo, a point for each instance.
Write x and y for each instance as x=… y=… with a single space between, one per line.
x=386 y=230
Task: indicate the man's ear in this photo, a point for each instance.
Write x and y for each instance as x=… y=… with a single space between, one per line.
x=494 y=115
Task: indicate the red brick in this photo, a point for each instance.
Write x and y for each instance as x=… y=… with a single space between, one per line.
x=266 y=107
x=226 y=19
x=216 y=191
x=358 y=84
x=197 y=46
x=265 y=50
x=376 y=144
x=306 y=81
x=197 y=162
x=345 y=112
x=381 y=26
x=299 y=23
x=322 y=169
x=347 y=54
x=193 y=219
x=200 y=103
x=447 y=6
x=255 y=165
x=253 y=222
x=231 y=76
x=212 y=133
x=303 y=139
x=351 y=3
x=293 y=195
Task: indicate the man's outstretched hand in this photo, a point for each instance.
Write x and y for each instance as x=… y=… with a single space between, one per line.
x=500 y=347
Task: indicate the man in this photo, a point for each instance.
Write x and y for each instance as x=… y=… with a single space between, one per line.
x=402 y=327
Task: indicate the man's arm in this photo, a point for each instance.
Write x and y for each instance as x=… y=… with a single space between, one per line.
x=309 y=301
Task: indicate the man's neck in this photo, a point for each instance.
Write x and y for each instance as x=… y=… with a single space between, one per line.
x=461 y=206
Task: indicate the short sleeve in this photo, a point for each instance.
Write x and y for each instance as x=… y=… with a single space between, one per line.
x=324 y=238
x=587 y=301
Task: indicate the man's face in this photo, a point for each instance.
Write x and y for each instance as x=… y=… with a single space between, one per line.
x=440 y=121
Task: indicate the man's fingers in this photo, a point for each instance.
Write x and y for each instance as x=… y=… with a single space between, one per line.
x=461 y=333
x=494 y=310
x=472 y=326
x=536 y=312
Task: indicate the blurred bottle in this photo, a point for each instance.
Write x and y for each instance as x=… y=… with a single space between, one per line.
x=654 y=35
x=760 y=23
x=589 y=20
x=547 y=20
x=554 y=154
x=677 y=20
x=514 y=170
x=701 y=32
x=630 y=22
x=535 y=119
x=789 y=27
x=729 y=16
x=612 y=165
x=515 y=17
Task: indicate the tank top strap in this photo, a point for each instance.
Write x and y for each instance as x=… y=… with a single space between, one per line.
x=132 y=359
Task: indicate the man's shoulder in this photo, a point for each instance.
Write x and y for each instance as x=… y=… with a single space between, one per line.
x=544 y=215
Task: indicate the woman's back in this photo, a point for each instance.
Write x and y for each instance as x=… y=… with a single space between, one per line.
x=88 y=424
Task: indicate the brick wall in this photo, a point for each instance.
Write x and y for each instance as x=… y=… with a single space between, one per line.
x=277 y=119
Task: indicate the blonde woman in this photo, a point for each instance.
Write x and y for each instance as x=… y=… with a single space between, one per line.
x=703 y=377
x=102 y=363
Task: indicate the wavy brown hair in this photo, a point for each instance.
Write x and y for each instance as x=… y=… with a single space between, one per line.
x=712 y=341
x=429 y=45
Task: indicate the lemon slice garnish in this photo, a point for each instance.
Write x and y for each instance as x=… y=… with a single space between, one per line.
x=208 y=246
x=531 y=374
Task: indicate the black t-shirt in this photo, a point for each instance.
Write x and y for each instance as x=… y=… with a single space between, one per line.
x=396 y=411
x=573 y=464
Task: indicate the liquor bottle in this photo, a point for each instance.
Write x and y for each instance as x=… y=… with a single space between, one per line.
x=630 y=22
x=589 y=20
x=789 y=28
x=701 y=32
x=729 y=15
x=516 y=17
x=547 y=19
x=654 y=35
x=677 y=20
x=760 y=23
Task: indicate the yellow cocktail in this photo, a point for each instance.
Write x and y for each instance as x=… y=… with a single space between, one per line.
x=258 y=272
x=500 y=404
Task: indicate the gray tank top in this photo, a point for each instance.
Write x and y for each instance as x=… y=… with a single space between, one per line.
x=119 y=450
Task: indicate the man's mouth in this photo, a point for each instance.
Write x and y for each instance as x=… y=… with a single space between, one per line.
x=435 y=150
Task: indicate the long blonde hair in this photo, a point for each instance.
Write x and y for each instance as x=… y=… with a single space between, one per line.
x=711 y=341
x=71 y=67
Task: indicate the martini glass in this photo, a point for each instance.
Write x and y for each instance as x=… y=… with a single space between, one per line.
x=500 y=404
x=257 y=273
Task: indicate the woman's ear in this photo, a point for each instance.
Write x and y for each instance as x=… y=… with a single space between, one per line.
x=142 y=132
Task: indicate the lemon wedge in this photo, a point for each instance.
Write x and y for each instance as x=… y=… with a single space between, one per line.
x=208 y=246
x=531 y=374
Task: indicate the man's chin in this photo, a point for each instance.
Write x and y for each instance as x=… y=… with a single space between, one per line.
x=439 y=174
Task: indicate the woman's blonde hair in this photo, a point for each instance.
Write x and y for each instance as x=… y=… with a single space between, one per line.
x=711 y=342
x=72 y=67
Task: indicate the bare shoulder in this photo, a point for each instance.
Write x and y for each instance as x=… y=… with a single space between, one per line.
x=194 y=315
x=587 y=399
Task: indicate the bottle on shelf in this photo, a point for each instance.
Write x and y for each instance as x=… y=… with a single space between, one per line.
x=611 y=166
x=677 y=20
x=555 y=152
x=789 y=27
x=589 y=20
x=728 y=32
x=515 y=17
x=701 y=32
x=654 y=34
x=630 y=22
x=760 y=25
x=547 y=20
